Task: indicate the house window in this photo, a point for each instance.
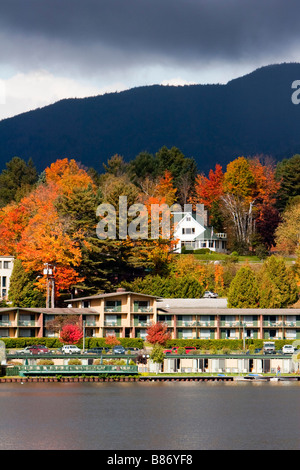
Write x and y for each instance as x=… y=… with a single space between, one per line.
x=85 y=304
x=188 y=219
x=6 y=264
x=188 y=231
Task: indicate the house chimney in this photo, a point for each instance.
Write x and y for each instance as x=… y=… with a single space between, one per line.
x=202 y=215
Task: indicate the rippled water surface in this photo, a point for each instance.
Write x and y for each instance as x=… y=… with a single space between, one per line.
x=150 y=416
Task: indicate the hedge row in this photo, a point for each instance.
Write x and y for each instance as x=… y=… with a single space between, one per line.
x=218 y=344
x=205 y=344
x=125 y=342
x=51 y=343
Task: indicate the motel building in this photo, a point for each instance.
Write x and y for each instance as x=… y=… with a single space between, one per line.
x=129 y=314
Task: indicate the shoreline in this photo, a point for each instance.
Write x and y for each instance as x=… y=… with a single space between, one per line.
x=152 y=378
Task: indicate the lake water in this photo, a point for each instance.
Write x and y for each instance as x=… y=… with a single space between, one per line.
x=150 y=416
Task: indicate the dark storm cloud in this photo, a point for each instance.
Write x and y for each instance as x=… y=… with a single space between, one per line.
x=105 y=32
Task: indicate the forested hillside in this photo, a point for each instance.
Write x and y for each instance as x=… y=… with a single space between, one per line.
x=211 y=123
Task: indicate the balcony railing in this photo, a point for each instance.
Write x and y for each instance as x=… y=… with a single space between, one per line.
x=76 y=369
x=27 y=323
x=112 y=323
x=230 y=323
x=142 y=323
x=272 y=323
x=206 y=323
x=138 y=309
x=117 y=308
x=167 y=322
x=5 y=323
x=186 y=323
x=292 y=323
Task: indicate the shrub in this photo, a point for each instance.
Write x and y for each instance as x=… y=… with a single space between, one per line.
x=74 y=362
x=45 y=362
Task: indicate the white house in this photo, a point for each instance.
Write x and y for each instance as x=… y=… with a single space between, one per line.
x=192 y=231
x=6 y=267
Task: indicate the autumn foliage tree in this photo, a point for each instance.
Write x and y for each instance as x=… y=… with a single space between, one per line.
x=158 y=334
x=71 y=334
x=35 y=232
x=208 y=190
x=243 y=194
x=111 y=341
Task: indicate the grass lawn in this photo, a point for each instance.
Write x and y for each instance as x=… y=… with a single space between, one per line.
x=241 y=259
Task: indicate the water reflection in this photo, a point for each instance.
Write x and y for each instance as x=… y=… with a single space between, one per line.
x=153 y=416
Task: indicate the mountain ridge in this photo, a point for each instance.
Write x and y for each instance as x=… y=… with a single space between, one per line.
x=213 y=123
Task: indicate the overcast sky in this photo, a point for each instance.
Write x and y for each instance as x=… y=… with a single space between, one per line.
x=54 y=49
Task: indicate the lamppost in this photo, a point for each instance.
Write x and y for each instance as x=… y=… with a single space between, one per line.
x=48 y=271
x=83 y=328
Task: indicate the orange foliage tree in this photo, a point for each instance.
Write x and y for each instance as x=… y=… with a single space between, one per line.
x=34 y=231
x=243 y=193
x=156 y=251
x=158 y=334
x=13 y=220
x=67 y=175
x=111 y=341
x=208 y=190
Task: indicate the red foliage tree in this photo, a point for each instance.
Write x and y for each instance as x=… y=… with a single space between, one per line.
x=208 y=190
x=71 y=334
x=158 y=334
x=112 y=341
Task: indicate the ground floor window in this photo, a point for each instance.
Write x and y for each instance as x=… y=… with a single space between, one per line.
x=26 y=333
x=141 y=333
x=204 y=334
x=291 y=334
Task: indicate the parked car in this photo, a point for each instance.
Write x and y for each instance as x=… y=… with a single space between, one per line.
x=70 y=349
x=269 y=347
x=288 y=349
x=210 y=295
x=118 y=350
x=97 y=350
x=26 y=350
x=36 y=349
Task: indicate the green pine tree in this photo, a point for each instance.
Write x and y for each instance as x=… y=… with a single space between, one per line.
x=243 y=291
x=16 y=180
x=278 y=285
x=79 y=211
x=23 y=291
